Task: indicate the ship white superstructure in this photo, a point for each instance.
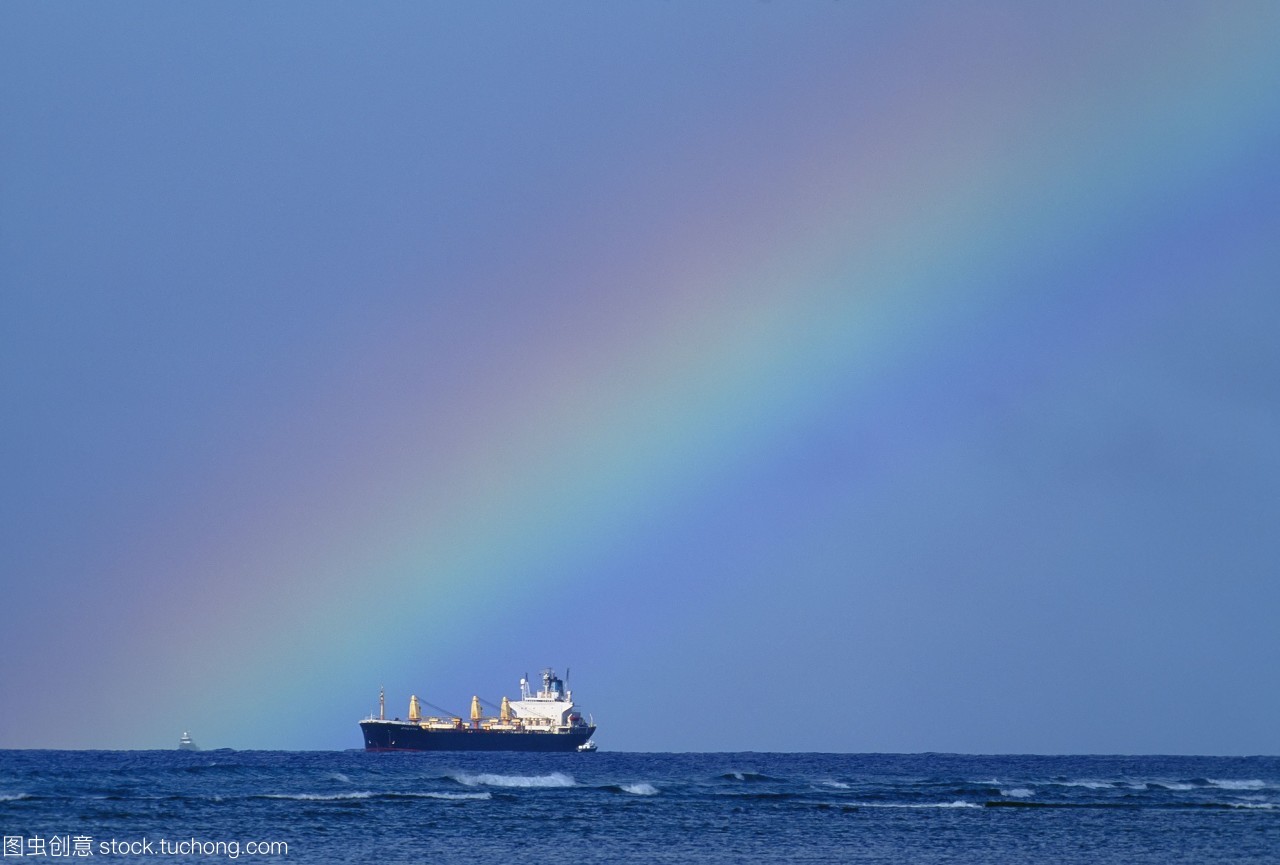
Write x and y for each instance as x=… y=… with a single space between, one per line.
x=551 y=706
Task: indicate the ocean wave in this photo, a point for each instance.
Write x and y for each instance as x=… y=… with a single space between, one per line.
x=744 y=776
x=1165 y=784
x=1017 y=793
x=1020 y=803
x=13 y=797
x=141 y=797
x=959 y=803
x=320 y=797
x=1089 y=785
x=1095 y=806
x=1131 y=805
x=1252 y=784
x=369 y=794
x=338 y=776
x=643 y=788
x=555 y=779
x=838 y=785
x=215 y=766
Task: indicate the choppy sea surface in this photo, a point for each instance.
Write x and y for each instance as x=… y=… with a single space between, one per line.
x=622 y=807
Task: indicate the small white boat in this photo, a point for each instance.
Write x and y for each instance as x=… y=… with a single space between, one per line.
x=587 y=747
x=186 y=743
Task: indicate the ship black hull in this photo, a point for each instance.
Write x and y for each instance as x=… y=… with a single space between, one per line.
x=404 y=736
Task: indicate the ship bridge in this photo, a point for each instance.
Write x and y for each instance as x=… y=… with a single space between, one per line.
x=551 y=705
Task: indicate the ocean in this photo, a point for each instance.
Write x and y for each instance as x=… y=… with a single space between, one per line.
x=345 y=806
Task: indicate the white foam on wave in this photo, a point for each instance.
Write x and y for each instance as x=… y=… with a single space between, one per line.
x=1089 y=785
x=959 y=803
x=839 y=785
x=1237 y=785
x=1261 y=806
x=641 y=789
x=1017 y=793
x=338 y=776
x=555 y=779
x=320 y=797
x=368 y=794
x=13 y=797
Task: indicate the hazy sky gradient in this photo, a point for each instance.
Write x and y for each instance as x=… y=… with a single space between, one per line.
x=805 y=376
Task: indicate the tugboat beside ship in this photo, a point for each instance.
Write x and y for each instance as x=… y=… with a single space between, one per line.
x=542 y=721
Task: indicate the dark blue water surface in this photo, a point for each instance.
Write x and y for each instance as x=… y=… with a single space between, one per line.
x=618 y=807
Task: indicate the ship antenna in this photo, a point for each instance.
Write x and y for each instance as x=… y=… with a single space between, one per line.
x=382 y=703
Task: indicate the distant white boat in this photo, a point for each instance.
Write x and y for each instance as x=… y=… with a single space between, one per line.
x=587 y=746
x=186 y=743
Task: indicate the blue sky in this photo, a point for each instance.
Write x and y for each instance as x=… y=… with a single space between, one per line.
x=822 y=376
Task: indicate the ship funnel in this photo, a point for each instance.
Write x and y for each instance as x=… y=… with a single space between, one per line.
x=415 y=711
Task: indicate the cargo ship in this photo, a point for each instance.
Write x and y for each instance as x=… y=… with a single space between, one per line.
x=542 y=721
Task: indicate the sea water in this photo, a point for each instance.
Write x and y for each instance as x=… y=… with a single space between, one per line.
x=266 y=806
